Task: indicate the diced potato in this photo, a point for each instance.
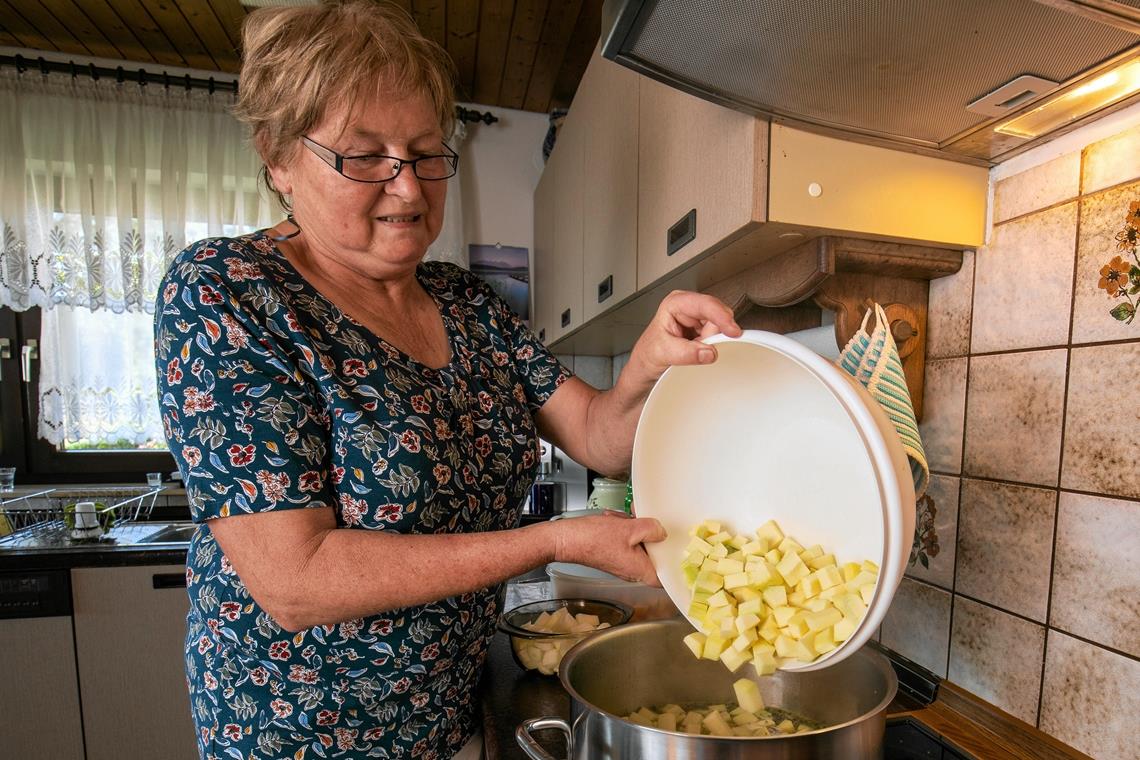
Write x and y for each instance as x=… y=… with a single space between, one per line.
x=771 y=604
x=733 y=658
x=770 y=532
x=842 y=630
x=714 y=645
x=748 y=695
x=729 y=566
x=810 y=553
x=792 y=568
x=716 y=725
x=667 y=722
x=738 y=580
x=696 y=643
x=776 y=596
x=822 y=561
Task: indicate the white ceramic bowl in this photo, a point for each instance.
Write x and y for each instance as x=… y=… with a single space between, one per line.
x=772 y=430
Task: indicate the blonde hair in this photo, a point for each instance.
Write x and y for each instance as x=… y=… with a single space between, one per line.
x=300 y=62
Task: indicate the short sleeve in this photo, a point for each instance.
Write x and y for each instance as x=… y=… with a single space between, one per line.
x=540 y=371
x=247 y=430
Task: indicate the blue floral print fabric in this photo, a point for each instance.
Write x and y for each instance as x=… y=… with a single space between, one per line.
x=272 y=398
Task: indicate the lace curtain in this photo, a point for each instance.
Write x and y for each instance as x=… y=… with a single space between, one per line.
x=101 y=184
x=450 y=246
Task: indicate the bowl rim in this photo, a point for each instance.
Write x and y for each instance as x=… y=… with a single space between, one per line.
x=624 y=610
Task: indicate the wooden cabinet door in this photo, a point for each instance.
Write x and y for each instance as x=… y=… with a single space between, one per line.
x=567 y=247
x=542 y=269
x=694 y=156
x=607 y=98
x=130 y=628
x=39 y=699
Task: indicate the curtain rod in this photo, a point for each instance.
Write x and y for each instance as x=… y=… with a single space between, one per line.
x=144 y=77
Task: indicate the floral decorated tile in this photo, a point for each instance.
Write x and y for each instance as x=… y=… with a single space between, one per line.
x=1107 y=289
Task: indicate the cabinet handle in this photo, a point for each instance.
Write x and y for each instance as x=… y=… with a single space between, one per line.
x=681 y=233
x=605 y=288
x=168 y=580
x=566 y=318
x=542 y=334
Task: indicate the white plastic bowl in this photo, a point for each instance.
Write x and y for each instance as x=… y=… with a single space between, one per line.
x=772 y=430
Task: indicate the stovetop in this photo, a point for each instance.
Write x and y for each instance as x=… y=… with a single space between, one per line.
x=907 y=739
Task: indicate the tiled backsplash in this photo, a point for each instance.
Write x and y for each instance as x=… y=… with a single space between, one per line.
x=1027 y=589
x=1032 y=598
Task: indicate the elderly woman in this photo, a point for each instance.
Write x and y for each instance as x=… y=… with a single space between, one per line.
x=357 y=429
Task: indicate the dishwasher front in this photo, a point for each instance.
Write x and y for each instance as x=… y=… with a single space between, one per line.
x=40 y=715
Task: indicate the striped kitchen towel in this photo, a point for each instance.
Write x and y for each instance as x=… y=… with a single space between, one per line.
x=873 y=360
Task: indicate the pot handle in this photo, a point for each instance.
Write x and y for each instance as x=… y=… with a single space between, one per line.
x=531 y=747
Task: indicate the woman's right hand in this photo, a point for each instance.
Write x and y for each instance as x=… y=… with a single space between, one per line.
x=612 y=542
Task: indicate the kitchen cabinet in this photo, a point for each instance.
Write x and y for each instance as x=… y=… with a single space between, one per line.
x=700 y=168
x=542 y=262
x=710 y=193
x=607 y=104
x=130 y=625
x=39 y=704
x=566 y=245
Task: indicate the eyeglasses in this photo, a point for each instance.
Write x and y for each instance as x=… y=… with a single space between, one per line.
x=385 y=168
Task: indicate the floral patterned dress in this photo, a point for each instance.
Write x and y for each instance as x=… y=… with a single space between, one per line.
x=272 y=398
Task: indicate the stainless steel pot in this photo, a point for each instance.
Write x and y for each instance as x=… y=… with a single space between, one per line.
x=613 y=673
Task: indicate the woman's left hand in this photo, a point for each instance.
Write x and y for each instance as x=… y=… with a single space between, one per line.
x=674 y=336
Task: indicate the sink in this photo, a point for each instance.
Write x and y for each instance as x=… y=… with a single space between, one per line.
x=176 y=533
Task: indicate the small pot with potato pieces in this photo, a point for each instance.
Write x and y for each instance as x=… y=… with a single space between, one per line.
x=618 y=672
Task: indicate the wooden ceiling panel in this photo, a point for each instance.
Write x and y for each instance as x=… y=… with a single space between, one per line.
x=431 y=18
x=46 y=25
x=462 y=43
x=556 y=29
x=231 y=15
x=526 y=32
x=495 y=18
x=174 y=25
x=7 y=38
x=209 y=31
x=148 y=32
x=583 y=40
x=527 y=54
x=116 y=31
x=81 y=27
x=26 y=35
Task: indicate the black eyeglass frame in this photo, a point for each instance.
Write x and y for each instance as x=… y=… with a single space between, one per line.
x=336 y=161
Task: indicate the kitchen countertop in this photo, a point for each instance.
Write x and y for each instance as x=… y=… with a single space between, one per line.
x=510 y=695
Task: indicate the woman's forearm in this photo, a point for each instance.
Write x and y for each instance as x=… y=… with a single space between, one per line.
x=345 y=574
x=611 y=422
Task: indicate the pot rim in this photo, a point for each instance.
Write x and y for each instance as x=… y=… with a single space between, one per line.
x=880 y=660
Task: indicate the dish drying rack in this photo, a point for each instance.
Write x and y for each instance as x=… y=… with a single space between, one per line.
x=43 y=513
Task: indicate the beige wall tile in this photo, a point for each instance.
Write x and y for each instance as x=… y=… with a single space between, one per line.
x=941 y=497
x=1102 y=448
x=1102 y=219
x=997 y=657
x=1091 y=698
x=619 y=364
x=1013 y=416
x=918 y=625
x=1096 y=577
x=1005 y=546
x=1023 y=282
x=944 y=405
x=1036 y=188
x=1111 y=161
x=598 y=371
x=948 y=318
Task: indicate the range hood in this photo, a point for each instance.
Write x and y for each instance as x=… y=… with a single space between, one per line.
x=929 y=76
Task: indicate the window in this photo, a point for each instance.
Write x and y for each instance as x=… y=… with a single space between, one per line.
x=101 y=185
